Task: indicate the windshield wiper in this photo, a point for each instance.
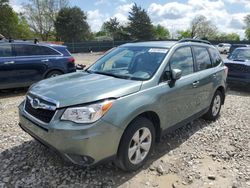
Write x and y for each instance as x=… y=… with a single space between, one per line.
x=89 y=71
x=110 y=74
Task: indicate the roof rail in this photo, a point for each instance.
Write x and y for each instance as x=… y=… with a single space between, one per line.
x=194 y=40
x=35 y=41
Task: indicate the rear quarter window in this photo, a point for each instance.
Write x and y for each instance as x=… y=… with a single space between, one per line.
x=215 y=57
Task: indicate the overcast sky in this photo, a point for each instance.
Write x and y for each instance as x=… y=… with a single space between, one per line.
x=227 y=15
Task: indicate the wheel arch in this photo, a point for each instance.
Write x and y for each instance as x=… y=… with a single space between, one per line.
x=223 y=92
x=53 y=69
x=153 y=117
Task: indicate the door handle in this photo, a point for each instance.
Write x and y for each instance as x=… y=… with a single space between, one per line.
x=195 y=83
x=45 y=60
x=215 y=75
x=9 y=62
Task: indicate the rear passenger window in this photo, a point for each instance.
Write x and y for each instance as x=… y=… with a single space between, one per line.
x=182 y=59
x=202 y=58
x=30 y=50
x=43 y=50
x=215 y=56
x=5 y=50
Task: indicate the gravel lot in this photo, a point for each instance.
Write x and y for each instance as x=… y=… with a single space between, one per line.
x=201 y=154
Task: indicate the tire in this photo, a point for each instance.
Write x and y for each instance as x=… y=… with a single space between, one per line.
x=215 y=107
x=139 y=127
x=52 y=74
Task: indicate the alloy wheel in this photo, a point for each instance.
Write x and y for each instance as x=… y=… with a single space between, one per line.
x=216 y=105
x=140 y=145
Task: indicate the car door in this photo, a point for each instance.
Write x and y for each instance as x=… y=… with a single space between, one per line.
x=6 y=66
x=30 y=64
x=206 y=73
x=179 y=100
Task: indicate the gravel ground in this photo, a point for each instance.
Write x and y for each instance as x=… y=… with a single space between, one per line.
x=201 y=154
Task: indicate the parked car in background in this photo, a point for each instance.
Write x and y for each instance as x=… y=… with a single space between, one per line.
x=238 y=64
x=128 y=99
x=234 y=46
x=224 y=48
x=23 y=63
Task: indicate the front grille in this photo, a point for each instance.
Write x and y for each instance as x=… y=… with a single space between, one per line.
x=238 y=68
x=40 y=114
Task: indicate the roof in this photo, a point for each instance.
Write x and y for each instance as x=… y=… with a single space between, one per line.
x=159 y=44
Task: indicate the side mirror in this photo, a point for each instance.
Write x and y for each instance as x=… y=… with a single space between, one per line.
x=176 y=74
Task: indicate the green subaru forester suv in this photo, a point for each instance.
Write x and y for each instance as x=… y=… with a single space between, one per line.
x=122 y=104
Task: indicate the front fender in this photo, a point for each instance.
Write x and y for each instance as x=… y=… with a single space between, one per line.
x=127 y=108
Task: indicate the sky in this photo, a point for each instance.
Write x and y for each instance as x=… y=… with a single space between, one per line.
x=227 y=15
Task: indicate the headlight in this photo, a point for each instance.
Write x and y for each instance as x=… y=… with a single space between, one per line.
x=87 y=114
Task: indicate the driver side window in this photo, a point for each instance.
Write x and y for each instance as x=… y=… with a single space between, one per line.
x=183 y=59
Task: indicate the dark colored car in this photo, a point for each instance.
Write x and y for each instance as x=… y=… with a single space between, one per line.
x=234 y=46
x=23 y=63
x=238 y=64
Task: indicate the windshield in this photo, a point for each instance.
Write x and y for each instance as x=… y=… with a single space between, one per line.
x=240 y=55
x=136 y=63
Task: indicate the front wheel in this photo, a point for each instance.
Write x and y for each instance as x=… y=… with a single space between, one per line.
x=215 y=107
x=53 y=74
x=136 y=144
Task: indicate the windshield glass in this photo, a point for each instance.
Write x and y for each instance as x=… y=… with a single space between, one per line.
x=136 y=63
x=240 y=55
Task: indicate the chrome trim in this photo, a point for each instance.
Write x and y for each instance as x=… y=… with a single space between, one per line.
x=45 y=98
x=32 y=117
x=39 y=104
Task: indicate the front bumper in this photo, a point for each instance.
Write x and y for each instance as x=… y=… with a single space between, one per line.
x=80 y=144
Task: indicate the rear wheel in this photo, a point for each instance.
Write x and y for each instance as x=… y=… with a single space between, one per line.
x=136 y=144
x=53 y=74
x=215 y=107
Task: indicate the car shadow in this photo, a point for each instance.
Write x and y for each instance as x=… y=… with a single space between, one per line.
x=8 y=93
x=32 y=164
x=238 y=90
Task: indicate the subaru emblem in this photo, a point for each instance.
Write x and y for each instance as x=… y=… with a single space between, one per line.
x=35 y=103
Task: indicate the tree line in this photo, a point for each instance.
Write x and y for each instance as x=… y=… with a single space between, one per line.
x=55 y=20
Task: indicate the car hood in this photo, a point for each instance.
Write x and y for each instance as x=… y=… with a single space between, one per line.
x=82 y=87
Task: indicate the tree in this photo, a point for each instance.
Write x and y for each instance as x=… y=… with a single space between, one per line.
x=112 y=28
x=41 y=15
x=203 y=28
x=12 y=25
x=23 y=29
x=8 y=20
x=140 y=26
x=247 y=28
x=3 y=2
x=161 y=32
x=71 y=25
x=184 y=34
x=247 y=33
x=228 y=37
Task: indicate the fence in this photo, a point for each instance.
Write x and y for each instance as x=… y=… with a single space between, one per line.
x=95 y=46
x=98 y=46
